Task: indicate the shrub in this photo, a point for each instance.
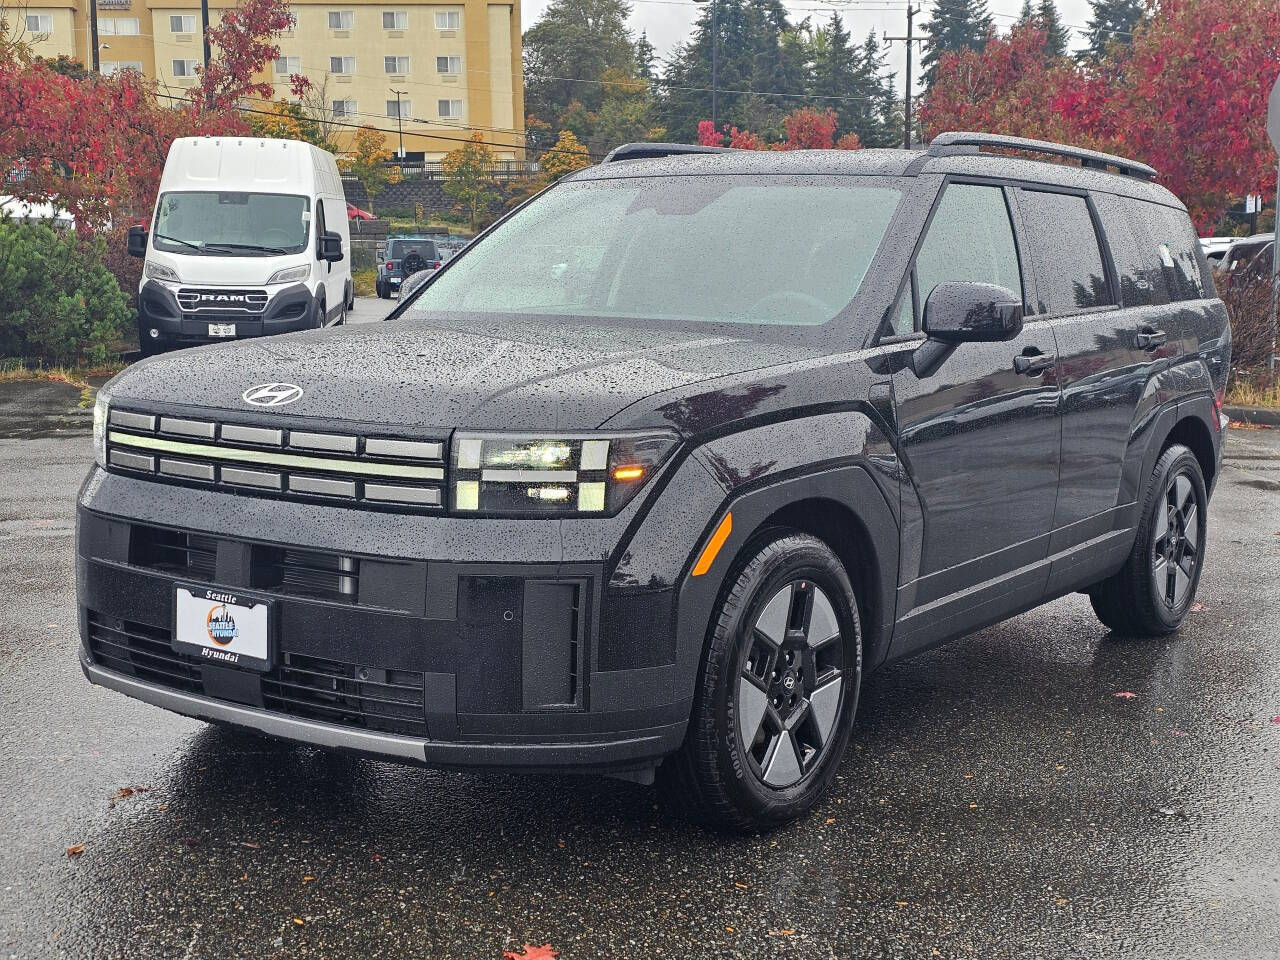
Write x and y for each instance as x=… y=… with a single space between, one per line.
x=58 y=303
x=1249 y=306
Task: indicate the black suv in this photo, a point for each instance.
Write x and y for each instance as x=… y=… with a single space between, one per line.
x=618 y=492
x=403 y=257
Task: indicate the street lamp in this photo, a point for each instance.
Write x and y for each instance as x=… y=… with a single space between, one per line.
x=715 y=57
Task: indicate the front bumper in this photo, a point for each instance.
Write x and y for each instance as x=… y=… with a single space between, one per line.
x=426 y=651
x=290 y=309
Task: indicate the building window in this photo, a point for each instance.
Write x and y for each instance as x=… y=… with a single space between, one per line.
x=399 y=108
x=118 y=27
x=449 y=65
x=182 y=23
x=184 y=68
x=342 y=19
x=448 y=19
x=288 y=66
x=395 y=19
x=39 y=23
x=344 y=108
x=342 y=65
x=450 y=109
x=396 y=64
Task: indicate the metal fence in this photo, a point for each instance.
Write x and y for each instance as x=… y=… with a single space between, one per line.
x=434 y=169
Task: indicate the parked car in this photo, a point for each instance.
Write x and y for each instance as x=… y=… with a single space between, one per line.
x=402 y=257
x=1215 y=247
x=248 y=239
x=355 y=213
x=615 y=493
x=1242 y=252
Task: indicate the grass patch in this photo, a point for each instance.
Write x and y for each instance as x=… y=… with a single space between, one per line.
x=365 y=281
x=12 y=370
x=1242 y=393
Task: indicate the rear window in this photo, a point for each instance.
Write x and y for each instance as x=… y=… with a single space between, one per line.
x=678 y=250
x=1064 y=251
x=399 y=249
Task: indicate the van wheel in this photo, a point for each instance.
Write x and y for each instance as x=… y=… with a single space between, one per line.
x=1157 y=584
x=322 y=313
x=777 y=690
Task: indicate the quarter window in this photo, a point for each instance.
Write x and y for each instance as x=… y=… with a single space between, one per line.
x=1178 y=250
x=448 y=19
x=342 y=19
x=448 y=64
x=395 y=19
x=970 y=239
x=1064 y=251
x=184 y=23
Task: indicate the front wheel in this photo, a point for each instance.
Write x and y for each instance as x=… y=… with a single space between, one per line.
x=1155 y=588
x=777 y=692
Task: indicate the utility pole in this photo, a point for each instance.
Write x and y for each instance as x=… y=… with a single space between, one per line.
x=909 y=39
x=93 y=33
x=400 y=119
x=204 y=31
x=715 y=60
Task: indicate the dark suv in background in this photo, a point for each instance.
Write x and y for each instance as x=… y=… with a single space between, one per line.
x=614 y=493
x=402 y=258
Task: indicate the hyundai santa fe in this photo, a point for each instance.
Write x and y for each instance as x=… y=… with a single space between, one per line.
x=615 y=492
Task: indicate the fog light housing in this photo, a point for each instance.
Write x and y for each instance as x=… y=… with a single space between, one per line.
x=153 y=333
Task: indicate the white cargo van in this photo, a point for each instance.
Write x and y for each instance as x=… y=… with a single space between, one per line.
x=249 y=238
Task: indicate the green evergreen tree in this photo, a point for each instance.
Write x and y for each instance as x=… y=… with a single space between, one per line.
x=837 y=78
x=1026 y=15
x=955 y=25
x=1112 y=23
x=1055 y=33
x=573 y=41
x=645 y=58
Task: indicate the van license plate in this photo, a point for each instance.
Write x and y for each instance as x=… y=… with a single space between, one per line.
x=222 y=627
x=222 y=329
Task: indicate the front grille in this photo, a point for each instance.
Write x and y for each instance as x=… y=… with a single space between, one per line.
x=375 y=470
x=311 y=688
x=173 y=551
x=392 y=701
x=306 y=573
x=142 y=652
x=240 y=303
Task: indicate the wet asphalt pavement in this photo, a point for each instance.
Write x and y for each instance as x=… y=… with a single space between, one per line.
x=1001 y=799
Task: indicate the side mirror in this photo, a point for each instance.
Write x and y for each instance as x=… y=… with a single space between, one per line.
x=137 y=241
x=964 y=312
x=330 y=246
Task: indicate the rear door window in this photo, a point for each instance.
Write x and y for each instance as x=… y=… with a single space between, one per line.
x=970 y=239
x=1137 y=267
x=1064 y=251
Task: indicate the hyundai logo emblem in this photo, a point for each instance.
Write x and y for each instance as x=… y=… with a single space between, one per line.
x=272 y=394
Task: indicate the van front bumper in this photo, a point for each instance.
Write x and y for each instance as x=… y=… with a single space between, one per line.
x=290 y=309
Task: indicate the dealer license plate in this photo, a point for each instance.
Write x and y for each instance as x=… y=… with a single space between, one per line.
x=222 y=627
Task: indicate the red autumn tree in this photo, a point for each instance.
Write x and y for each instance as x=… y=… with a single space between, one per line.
x=243 y=41
x=1188 y=96
x=806 y=129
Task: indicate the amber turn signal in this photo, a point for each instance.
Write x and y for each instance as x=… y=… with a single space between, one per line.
x=628 y=472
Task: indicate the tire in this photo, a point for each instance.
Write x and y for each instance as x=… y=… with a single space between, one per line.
x=322 y=314
x=1155 y=588
x=734 y=770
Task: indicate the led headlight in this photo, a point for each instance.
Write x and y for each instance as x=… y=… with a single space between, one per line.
x=100 y=407
x=291 y=274
x=540 y=475
x=158 y=271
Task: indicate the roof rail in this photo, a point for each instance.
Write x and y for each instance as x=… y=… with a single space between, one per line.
x=949 y=144
x=652 y=151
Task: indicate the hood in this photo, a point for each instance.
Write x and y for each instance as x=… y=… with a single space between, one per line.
x=503 y=374
x=228 y=271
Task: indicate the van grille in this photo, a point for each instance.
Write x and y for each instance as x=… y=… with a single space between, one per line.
x=311 y=688
x=243 y=302
x=376 y=470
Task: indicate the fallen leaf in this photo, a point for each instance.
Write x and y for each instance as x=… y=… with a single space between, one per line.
x=1178 y=733
x=308 y=878
x=1198 y=608
x=973 y=806
x=787 y=932
x=1275 y=719
x=728 y=929
x=1126 y=695
x=75 y=850
x=251 y=846
x=740 y=886
x=1060 y=901
x=901 y=903
x=530 y=952
x=298 y=921
x=1061 y=766
x=375 y=857
x=831 y=820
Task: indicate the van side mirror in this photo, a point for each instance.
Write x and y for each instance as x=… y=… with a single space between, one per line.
x=137 y=241
x=965 y=312
x=330 y=246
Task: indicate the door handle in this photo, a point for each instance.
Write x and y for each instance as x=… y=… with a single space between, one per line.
x=1032 y=365
x=1149 y=338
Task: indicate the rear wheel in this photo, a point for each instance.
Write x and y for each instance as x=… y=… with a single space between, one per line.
x=1155 y=588
x=777 y=691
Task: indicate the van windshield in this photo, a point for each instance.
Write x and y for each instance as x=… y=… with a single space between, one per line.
x=677 y=249
x=226 y=223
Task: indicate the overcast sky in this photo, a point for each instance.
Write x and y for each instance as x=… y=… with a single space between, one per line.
x=669 y=21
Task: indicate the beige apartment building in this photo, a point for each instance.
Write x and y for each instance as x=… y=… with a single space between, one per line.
x=456 y=66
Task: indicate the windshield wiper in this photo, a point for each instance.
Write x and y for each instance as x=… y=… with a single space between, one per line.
x=247 y=246
x=185 y=243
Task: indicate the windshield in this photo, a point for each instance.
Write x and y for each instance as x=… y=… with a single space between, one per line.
x=225 y=223
x=677 y=249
